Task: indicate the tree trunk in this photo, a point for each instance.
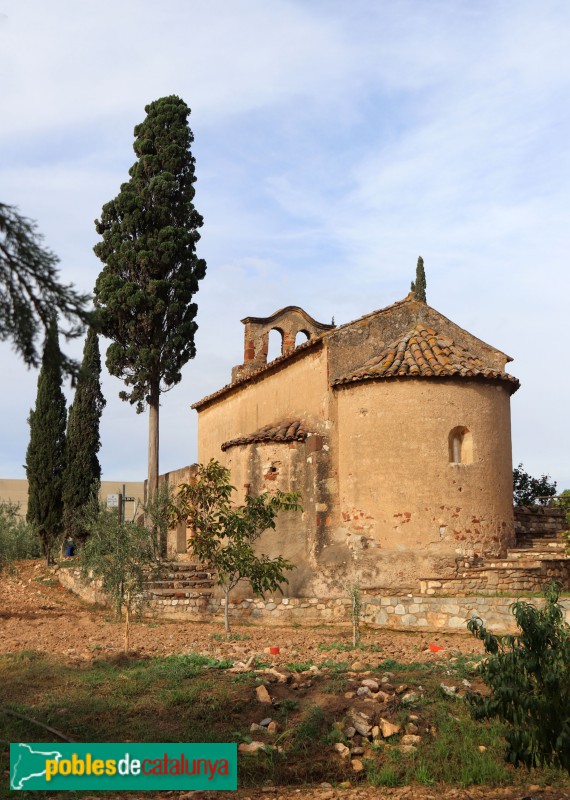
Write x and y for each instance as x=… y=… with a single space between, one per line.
x=227 y=611
x=127 y=623
x=46 y=546
x=153 y=407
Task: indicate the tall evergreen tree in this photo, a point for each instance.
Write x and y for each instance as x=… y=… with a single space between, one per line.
x=45 y=458
x=419 y=285
x=151 y=272
x=82 y=475
x=30 y=291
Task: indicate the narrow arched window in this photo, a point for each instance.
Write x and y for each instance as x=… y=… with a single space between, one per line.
x=301 y=337
x=460 y=445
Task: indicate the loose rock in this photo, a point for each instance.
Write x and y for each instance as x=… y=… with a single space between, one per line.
x=411 y=739
x=262 y=694
x=388 y=728
x=342 y=750
x=252 y=748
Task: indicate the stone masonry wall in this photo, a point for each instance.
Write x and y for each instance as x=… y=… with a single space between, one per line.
x=406 y=612
x=539 y=521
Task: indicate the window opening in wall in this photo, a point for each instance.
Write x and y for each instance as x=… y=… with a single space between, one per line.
x=275 y=344
x=460 y=446
x=301 y=337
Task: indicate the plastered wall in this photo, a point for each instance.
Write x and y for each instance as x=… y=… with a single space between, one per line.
x=298 y=389
x=399 y=490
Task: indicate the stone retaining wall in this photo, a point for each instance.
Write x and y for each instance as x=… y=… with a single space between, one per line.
x=394 y=612
x=539 y=520
x=509 y=579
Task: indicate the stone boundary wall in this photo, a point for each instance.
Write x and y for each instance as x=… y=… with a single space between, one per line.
x=408 y=612
x=539 y=520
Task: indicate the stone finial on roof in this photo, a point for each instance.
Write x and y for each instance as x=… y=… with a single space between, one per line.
x=419 y=285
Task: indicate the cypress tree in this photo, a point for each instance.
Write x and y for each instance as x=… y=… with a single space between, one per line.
x=82 y=476
x=151 y=273
x=419 y=285
x=45 y=457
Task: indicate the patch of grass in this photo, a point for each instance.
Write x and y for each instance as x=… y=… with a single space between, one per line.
x=334 y=666
x=299 y=666
x=308 y=730
x=390 y=664
x=342 y=647
x=334 y=685
x=53 y=583
x=190 y=698
x=232 y=637
x=286 y=707
x=423 y=773
x=346 y=647
x=243 y=677
x=386 y=774
x=106 y=701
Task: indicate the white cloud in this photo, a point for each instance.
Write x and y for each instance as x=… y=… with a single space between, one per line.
x=335 y=142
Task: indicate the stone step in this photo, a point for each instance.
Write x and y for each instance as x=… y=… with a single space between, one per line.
x=550 y=543
x=554 y=553
x=179 y=584
x=181 y=593
x=184 y=566
x=515 y=566
x=185 y=576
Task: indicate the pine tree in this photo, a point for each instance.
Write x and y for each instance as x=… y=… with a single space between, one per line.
x=30 y=291
x=151 y=272
x=419 y=285
x=45 y=458
x=82 y=476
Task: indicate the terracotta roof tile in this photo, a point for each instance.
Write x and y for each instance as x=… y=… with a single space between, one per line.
x=290 y=430
x=424 y=353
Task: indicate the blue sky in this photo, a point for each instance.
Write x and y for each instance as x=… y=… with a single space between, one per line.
x=334 y=143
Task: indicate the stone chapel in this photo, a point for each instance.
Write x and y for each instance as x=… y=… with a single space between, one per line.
x=395 y=429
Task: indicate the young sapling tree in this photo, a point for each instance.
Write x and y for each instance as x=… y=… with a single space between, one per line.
x=224 y=534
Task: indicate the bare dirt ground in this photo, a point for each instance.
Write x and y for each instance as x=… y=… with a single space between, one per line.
x=38 y=614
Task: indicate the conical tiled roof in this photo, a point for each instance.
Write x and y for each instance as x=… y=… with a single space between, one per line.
x=422 y=352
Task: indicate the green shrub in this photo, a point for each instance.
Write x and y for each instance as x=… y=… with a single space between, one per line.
x=528 y=677
x=17 y=540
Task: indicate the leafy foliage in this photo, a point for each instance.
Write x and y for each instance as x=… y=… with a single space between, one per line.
x=122 y=556
x=528 y=678
x=82 y=475
x=419 y=285
x=30 y=292
x=528 y=490
x=45 y=457
x=144 y=292
x=563 y=501
x=158 y=516
x=16 y=537
x=224 y=535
